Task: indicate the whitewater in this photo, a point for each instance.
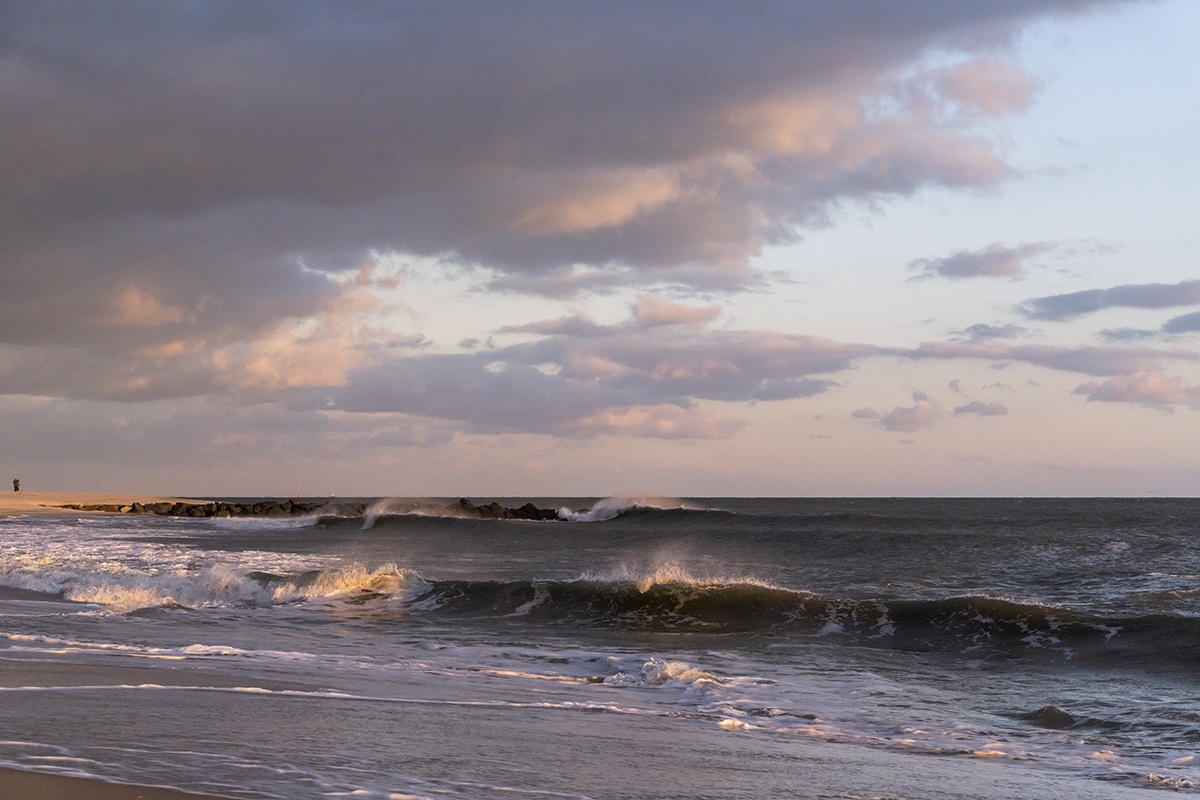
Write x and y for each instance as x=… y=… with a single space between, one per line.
x=635 y=647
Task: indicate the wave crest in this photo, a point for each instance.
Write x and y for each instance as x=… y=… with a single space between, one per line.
x=625 y=505
x=352 y=584
x=408 y=507
x=671 y=574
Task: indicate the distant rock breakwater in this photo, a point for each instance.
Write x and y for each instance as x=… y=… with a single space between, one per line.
x=211 y=508
x=293 y=508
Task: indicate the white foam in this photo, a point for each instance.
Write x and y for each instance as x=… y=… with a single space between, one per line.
x=660 y=672
x=117 y=569
x=282 y=523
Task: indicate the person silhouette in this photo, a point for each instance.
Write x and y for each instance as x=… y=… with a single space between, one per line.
x=16 y=484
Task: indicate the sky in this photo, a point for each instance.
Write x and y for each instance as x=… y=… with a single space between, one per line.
x=592 y=248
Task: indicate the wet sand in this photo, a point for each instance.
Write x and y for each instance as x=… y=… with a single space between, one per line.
x=23 y=502
x=42 y=786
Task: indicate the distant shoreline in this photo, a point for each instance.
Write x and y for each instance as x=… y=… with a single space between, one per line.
x=27 y=502
x=95 y=503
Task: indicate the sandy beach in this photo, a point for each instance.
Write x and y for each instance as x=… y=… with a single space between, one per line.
x=23 y=502
x=41 y=786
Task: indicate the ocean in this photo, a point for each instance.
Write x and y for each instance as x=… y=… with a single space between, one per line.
x=640 y=648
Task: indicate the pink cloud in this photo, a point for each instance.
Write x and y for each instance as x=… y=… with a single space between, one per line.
x=990 y=86
x=909 y=419
x=652 y=310
x=656 y=422
x=997 y=260
x=1144 y=388
x=982 y=409
x=906 y=419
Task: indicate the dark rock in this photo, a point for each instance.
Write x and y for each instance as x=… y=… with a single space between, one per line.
x=530 y=511
x=1051 y=717
x=274 y=508
x=494 y=510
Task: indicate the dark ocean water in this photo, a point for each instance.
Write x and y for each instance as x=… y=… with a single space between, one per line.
x=645 y=648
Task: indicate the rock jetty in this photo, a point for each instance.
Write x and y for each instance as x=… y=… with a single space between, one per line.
x=212 y=508
x=287 y=508
x=497 y=511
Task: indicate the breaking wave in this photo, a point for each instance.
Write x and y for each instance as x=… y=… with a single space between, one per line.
x=408 y=507
x=626 y=506
x=225 y=585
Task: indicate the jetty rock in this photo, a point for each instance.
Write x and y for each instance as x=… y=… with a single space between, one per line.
x=494 y=510
x=291 y=508
x=206 y=508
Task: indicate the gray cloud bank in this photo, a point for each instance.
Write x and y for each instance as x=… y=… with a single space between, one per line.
x=204 y=148
x=1061 y=307
x=189 y=190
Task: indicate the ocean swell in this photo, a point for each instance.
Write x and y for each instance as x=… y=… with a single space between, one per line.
x=972 y=626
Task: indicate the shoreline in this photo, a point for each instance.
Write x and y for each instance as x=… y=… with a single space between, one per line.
x=27 y=502
x=71 y=503
x=49 y=786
